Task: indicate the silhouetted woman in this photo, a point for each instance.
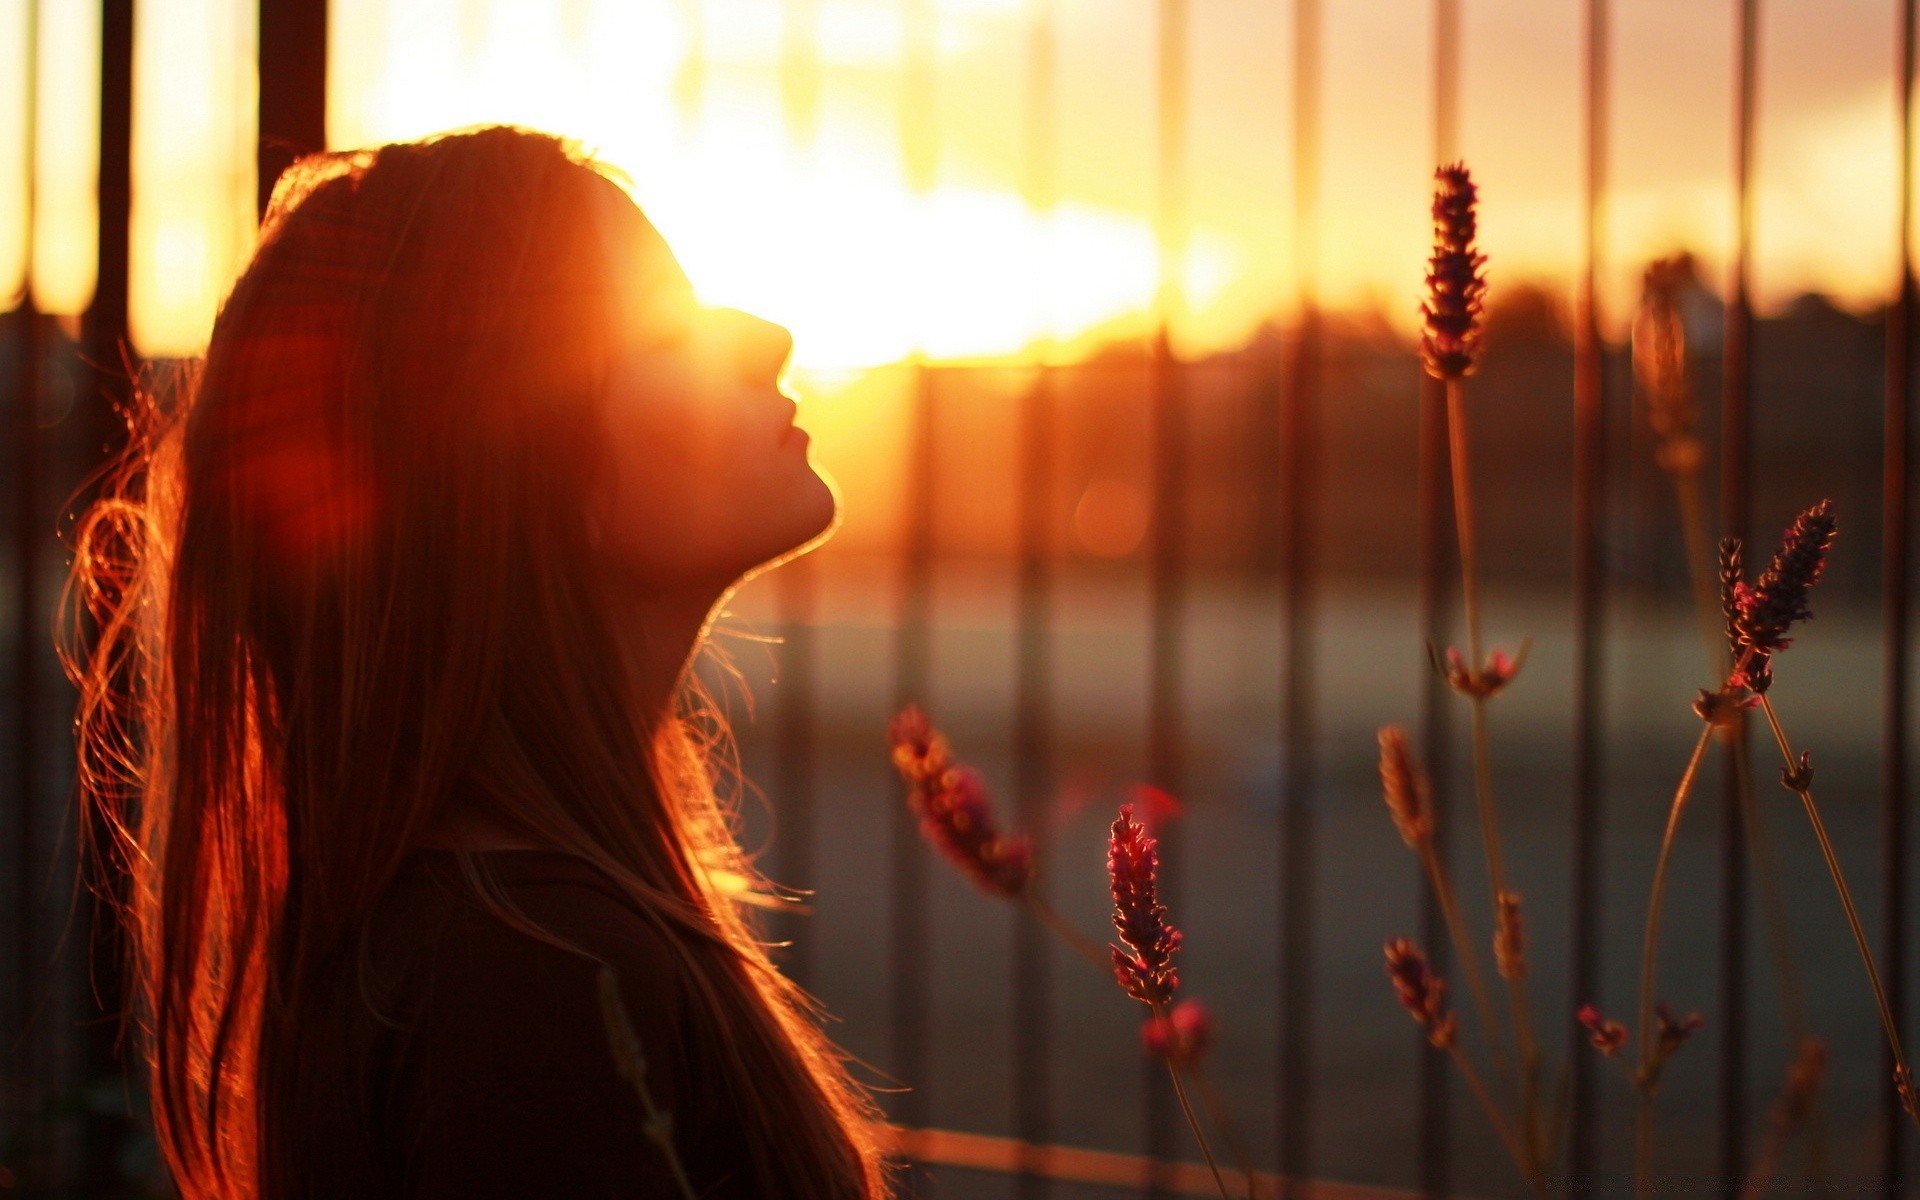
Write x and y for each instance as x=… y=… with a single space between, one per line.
x=386 y=710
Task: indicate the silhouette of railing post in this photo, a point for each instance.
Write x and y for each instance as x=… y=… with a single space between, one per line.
x=1589 y=587
x=1166 y=531
x=1434 y=489
x=1736 y=452
x=29 y=642
x=105 y=390
x=1895 y=533
x=908 y=952
x=1033 y=699
x=1299 y=467
x=293 y=86
x=797 y=583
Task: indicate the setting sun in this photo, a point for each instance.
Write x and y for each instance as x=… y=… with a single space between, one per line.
x=804 y=167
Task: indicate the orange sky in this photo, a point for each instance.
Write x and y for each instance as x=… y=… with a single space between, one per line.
x=704 y=102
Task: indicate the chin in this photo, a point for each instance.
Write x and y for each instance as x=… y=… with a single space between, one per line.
x=807 y=523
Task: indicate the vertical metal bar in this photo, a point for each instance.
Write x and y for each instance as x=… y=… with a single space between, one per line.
x=1589 y=501
x=103 y=340
x=912 y=673
x=1736 y=450
x=1434 y=487
x=797 y=582
x=1895 y=507
x=1165 y=742
x=797 y=737
x=30 y=531
x=1033 y=715
x=293 y=86
x=1299 y=465
x=800 y=69
x=911 y=988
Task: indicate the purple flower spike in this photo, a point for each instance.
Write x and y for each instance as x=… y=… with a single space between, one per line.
x=1767 y=609
x=1184 y=1035
x=958 y=819
x=955 y=813
x=1145 y=969
x=1450 y=342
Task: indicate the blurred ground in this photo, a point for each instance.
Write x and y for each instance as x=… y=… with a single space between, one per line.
x=1225 y=890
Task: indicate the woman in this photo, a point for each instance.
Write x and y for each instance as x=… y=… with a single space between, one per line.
x=388 y=720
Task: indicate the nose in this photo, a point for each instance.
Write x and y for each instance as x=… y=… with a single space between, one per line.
x=761 y=348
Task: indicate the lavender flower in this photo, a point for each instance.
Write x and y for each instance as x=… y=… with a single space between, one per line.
x=1421 y=992
x=1660 y=365
x=1496 y=673
x=1733 y=574
x=955 y=813
x=1455 y=288
x=1509 y=937
x=1767 y=609
x=1404 y=784
x=1607 y=1036
x=1671 y=1032
x=920 y=751
x=1145 y=969
x=1184 y=1035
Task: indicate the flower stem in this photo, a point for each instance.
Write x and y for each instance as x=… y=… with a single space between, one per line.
x=1217 y=1112
x=1643 y=1147
x=1846 y=902
x=1082 y=945
x=1706 y=598
x=1525 y=1047
x=1463 y=947
x=1700 y=553
x=1646 y=1078
x=1521 y=1160
x=1193 y=1123
x=1463 y=517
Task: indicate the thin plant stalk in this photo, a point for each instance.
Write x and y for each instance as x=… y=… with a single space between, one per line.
x=1086 y=948
x=1706 y=599
x=1463 y=947
x=1193 y=1123
x=1805 y=792
x=1773 y=909
x=1217 y=1113
x=1794 y=1107
x=1527 y=1049
x=1649 y=952
x=1521 y=1160
x=1082 y=945
x=1693 y=524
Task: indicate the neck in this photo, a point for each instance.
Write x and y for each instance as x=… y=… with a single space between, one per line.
x=658 y=634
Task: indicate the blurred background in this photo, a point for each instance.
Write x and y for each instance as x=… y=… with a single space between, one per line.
x=1105 y=317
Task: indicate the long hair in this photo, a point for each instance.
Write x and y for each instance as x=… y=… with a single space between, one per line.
x=343 y=575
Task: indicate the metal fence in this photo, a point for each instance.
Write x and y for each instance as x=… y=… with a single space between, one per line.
x=59 y=1063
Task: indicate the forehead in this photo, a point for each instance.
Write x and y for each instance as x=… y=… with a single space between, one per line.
x=642 y=267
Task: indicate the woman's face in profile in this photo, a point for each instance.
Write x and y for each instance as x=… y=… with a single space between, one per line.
x=710 y=476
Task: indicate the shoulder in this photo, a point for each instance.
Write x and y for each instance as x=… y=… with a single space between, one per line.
x=578 y=918
x=507 y=1058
